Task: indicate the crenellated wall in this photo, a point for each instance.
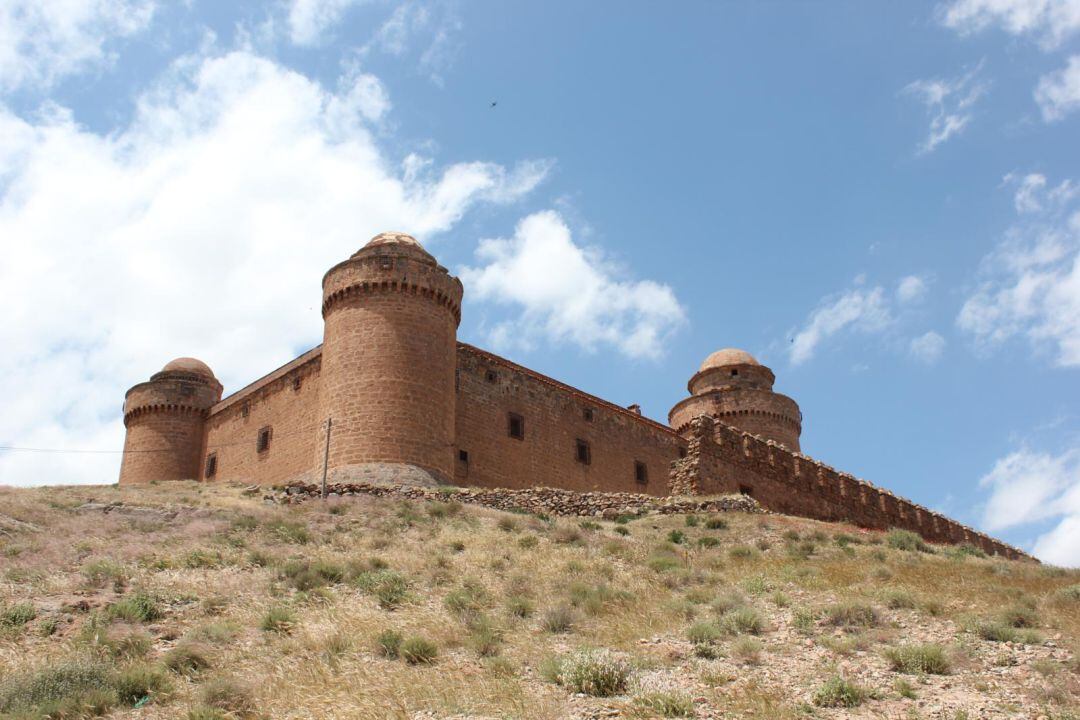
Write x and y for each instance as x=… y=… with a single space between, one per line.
x=721 y=459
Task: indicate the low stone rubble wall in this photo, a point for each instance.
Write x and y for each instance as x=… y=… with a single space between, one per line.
x=539 y=501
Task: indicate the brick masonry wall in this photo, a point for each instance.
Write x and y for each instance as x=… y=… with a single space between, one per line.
x=756 y=411
x=286 y=401
x=489 y=388
x=722 y=459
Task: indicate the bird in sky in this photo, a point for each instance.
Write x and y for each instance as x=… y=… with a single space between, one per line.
x=494 y=103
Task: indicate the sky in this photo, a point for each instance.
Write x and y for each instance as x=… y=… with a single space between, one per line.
x=880 y=201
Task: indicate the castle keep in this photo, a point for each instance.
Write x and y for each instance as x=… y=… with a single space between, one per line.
x=391 y=396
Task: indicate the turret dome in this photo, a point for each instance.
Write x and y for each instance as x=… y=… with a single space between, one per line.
x=189 y=365
x=394 y=238
x=727 y=356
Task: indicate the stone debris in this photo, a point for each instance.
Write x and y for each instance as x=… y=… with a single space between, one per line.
x=538 y=500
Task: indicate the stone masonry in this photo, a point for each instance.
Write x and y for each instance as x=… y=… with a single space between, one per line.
x=391 y=398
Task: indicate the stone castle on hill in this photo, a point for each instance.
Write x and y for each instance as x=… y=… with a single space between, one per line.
x=392 y=396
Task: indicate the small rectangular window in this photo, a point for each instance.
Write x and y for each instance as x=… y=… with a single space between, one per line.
x=463 y=456
x=584 y=452
x=263 y=443
x=587 y=413
x=641 y=473
x=746 y=490
x=516 y=425
x=682 y=452
x=734 y=373
x=491 y=376
x=296 y=383
x=245 y=410
x=211 y=465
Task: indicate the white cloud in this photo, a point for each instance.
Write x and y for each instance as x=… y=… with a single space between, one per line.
x=42 y=41
x=1050 y=22
x=927 y=348
x=431 y=25
x=911 y=289
x=309 y=19
x=1058 y=93
x=569 y=293
x=864 y=310
x=1028 y=487
x=1031 y=281
x=949 y=103
x=201 y=228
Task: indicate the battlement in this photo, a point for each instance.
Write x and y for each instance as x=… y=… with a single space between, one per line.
x=723 y=459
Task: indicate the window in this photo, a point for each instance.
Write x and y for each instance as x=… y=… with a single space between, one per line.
x=211 y=465
x=263 y=443
x=587 y=413
x=746 y=490
x=463 y=456
x=734 y=373
x=296 y=383
x=517 y=426
x=641 y=472
x=584 y=453
x=682 y=452
x=245 y=410
x=491 y=376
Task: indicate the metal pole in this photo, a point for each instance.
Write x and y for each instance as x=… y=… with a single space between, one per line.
x=326 y=456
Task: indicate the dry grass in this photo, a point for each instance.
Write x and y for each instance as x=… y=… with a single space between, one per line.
x=370 y=608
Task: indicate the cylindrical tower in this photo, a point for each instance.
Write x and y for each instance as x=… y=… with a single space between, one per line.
x=165 y=420
x=388 y=362
x=736 y=389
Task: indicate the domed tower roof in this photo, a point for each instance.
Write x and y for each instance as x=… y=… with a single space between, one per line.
x=189 y=365
x=396 y=243
x=727 y=356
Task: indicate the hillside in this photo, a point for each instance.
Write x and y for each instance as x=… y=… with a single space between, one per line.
x=201 y=602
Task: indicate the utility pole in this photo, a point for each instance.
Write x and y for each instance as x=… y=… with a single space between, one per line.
x=326 y=455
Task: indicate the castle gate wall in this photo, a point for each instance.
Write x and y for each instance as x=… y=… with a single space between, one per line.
x=553 y=418
x=721 y=459
x=287 y=403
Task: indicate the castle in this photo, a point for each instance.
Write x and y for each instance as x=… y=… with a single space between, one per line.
x=391 y=396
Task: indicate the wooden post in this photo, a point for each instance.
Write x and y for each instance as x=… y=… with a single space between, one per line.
x=326 y=455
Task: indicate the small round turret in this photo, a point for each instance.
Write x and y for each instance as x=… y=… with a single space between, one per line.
x=165 y=420
x=736 y=389
x=388 y=361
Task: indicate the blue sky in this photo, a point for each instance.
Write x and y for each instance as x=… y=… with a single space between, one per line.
x=879 y=200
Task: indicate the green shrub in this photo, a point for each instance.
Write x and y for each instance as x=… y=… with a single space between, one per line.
x=704 y=632
x=389 y=587
x=927 y=658
x=467 y=602
x=1020 y=616
x=897 y=599
x=851 y=615
x=485 y=638
x=200 y=558
x=839 y=692
x=389 y=643
x=520 y=606
x=1068 y=594
x=744 y=620
x=716 y=523
x=747 y=649
x=622 y=530
x=600 y=673
x=708 y=542
x=137 y=607
x=904 y=689
x=727 y=601
x=594 y=598
x=803 y=620
x=289 y=531
x=668 y=702
x=741 y=552
x=676 y=536
x=527 y=542
x=121 y=644
x=279 y=619
x=100 y=572
x=186 y=659
x=16 y=616
x=418 y=650
x=906 y=540
x=559 y=619
x=964 y=550
x=138 y=682
x=663 y=562
x=228 y=696
x=70 y=689
x=507 y=524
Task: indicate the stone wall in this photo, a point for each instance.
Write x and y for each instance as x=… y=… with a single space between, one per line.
x=536 y=500
x=554 y=417
x=287 y=402
x=721 y=459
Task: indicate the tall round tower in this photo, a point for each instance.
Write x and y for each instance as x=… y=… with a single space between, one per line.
x=165 y=420
x=736 y=389
x=388 y=363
